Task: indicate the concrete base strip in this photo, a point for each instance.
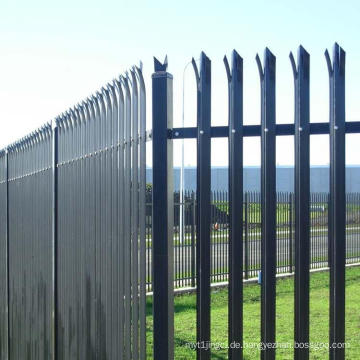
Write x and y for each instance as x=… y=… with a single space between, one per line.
x=219 y=285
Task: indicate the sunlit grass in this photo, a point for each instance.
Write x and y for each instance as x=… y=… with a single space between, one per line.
x=185 y=318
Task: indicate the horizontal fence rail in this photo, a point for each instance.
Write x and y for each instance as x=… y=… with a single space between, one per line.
x=352 y=127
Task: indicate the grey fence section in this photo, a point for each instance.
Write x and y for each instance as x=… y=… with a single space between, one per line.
x=3 y=258
x=98 y=221
x=29 y=230
x=185 y=248
x=72 y=220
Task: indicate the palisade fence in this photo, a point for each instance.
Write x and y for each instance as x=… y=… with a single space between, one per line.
x=185 y=242
x=79 y=246
x=72 y=242
x=163 y=204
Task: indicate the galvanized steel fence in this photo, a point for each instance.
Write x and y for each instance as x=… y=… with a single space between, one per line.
x=72 y=226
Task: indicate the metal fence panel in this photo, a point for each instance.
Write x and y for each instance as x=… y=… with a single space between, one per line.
x=281 y=232
x=95 y=270
x=3 y=257
x=70 y=199
x=30 y=246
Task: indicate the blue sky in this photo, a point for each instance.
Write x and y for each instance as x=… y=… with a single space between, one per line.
x=53 y=54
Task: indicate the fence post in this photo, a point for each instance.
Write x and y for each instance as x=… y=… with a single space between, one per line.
x=142 y=211
x=163 y=212
x=337 y=200
x=246 y=237
x=55 y=137
x=268 y=203
x=203 y=237
x=135 y=213
x=127 y=219
x=302 y=200
x=235 y=85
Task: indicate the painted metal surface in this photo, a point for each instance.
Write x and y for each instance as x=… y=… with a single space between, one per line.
x=337 y=244
x=302 y=200
x=235 y=85
x=162 y=212
x=70 y=215
x=30 y=246
x=268 y=204
x=203 y=256
x=74 y=234
x=330 y=211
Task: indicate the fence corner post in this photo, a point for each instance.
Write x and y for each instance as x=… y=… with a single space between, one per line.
x=163 y=209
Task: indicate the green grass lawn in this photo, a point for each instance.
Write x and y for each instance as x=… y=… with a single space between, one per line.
x=185 y=318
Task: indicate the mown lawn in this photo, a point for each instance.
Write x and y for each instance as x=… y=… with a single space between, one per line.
x=185 y=318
